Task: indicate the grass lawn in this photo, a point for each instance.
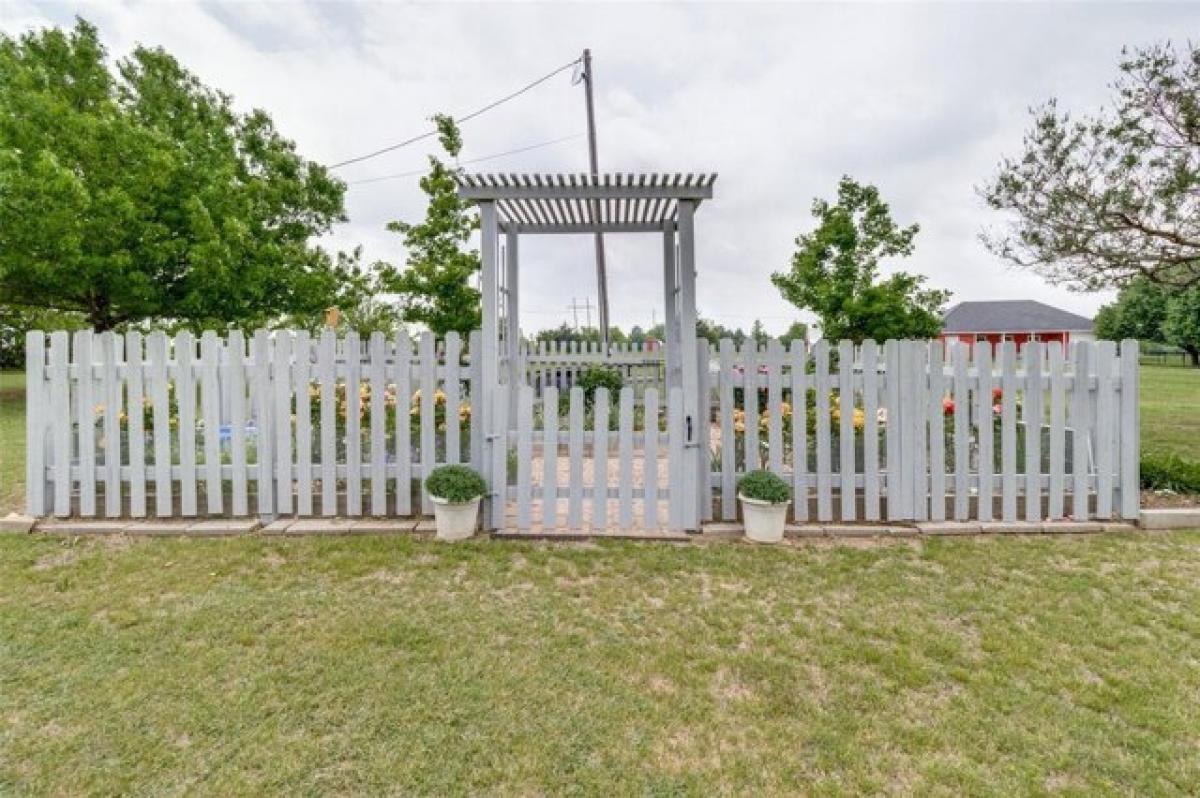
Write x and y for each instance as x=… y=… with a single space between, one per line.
x=977 y=666
x=1171 y=411
x=12 y=441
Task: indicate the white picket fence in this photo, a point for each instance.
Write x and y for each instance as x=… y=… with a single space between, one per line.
x=561 y=363
x=136 y=426
x=209 y=426
x=912 y=430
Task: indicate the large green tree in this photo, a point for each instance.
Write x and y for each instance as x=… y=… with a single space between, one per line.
x=1099 y=200
x=434 y=287
x=134 y=191
x=835 y=272
x=1149 y=311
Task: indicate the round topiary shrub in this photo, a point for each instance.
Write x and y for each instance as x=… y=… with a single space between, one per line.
x=599 y=377
x=764 y=487
x=455 y=483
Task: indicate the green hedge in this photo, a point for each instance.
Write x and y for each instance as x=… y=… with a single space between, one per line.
x=1170 y=472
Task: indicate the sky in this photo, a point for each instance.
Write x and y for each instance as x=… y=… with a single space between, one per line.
x=780 y=100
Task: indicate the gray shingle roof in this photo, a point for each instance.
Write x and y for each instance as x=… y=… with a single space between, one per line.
x=1016 y=315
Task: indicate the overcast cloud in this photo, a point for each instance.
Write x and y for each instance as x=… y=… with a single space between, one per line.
x=780 y=100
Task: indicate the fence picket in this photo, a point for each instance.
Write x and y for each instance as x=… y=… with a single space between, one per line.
x=1130 y=454
x=985 y=424
x=728 y=438
x=800 y=481
x=846 y=429
x=354 y=460
x=824 y=458
x=403 y=442
x=85 y=411
x=753 y=450
x=210 y=414
x=236 y=365
x=625 y=453
x=774 y=406
x=524 y=455
x=35 y=423
x=427 y=356
x=675 y=441
x=111 y=398
x=1058 y=414
x=650 y=472
x=185 y=398
x=1033 y=413
x=281 y=376
x=261 y=406
x=453 y=391
x=962 y=431
x=870 y=400
x=892 y=432
x=937 y=434
x=1107 y=426
x=919 y=382
x=550 y=457
x=1008 y=431
x=1080 y=428
x=575 y=452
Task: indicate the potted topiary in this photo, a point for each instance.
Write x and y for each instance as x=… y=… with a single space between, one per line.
x=765 y=498
x=455 y=491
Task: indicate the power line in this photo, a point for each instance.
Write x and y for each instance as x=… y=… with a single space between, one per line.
x=469 y=160
x=459 y=120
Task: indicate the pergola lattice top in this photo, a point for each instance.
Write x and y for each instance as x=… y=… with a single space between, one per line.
x=581 y=203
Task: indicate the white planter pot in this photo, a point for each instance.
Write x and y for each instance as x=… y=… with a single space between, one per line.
x=455 y=520
x=764 y=521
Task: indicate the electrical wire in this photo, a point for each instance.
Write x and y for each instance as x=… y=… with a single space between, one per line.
x=469 y=160
x=459 y=120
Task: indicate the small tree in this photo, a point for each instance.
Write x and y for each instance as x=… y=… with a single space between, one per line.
x=1181 y=327
x=140 y=193
x=435 y=286
x=835 y=272
x=1098 y=201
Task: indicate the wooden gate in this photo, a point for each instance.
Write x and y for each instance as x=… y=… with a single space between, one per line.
x=579 y=463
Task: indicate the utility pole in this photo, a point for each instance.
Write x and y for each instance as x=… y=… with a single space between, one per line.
x=586 y=307
x=601 y=276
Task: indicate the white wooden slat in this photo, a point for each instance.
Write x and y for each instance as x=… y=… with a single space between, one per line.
x=675 y=443
x=524 y=456
x=1058 y=416
x=550 y=458
x=497 y=502
x=937 y=433
x=85 y=409
x=185 y=398
x=1130 y=453
x=300 y=376
x=651 y=471
x=575 y=453
x=236 y=365
x=377 y=379
x=625 y=458
x=1107 y=427
x=326 y=378
x=870 y=399
x=281 y=384
x=728 y=436
x=1008 y=431
x=753 y=450
x=704 y=432
x=160 y=427
x=475 y=347
x=919 y=382
x=600 y=413
x=264 y=467
x=1033 y=412
x=60 y=421
x=824 y=457
x=403 y=442
x=985 y=426
x=428 y=371
x=1080 y=424
x=962 y=431
x=800 y=477
x=36 y=423
x=846 y=429
x=453 y=390
x=210 y=415
x=892 y=430
x=774 y=405
x=111 y=397
x=354 y=456
x=136 y=425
